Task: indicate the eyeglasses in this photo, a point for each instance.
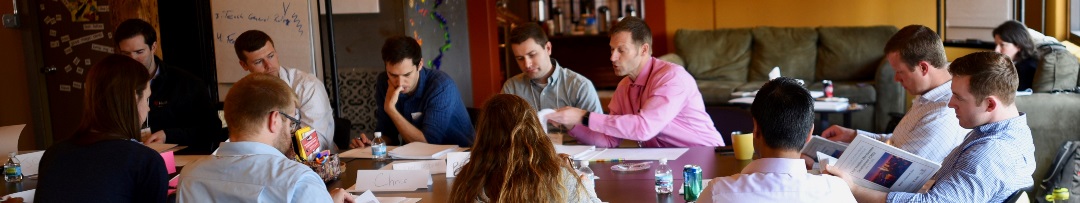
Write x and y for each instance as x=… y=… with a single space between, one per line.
x=295 y=120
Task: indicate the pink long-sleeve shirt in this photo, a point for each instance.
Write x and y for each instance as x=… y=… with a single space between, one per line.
x=662 y=108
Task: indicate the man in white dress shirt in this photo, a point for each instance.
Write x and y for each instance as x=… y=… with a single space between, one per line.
x=783 y=113
x=257 y=55
x=930 y=128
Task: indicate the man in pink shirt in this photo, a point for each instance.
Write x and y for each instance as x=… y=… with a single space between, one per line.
x=658 y=104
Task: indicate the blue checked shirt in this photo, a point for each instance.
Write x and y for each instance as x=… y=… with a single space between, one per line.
x=929 y=129
x=995 y=160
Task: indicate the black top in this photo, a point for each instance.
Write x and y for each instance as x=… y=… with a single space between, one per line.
x=180 y=104
x=105 y=171
x=1025 y=70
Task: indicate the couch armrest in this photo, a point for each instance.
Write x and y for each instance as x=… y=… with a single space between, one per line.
x=674 y=58
x=890 y=95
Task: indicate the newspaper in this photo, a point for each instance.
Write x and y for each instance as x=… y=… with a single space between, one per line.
x=881 y=167
x=825 y=146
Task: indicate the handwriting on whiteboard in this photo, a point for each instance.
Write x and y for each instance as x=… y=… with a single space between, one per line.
x=286 y=18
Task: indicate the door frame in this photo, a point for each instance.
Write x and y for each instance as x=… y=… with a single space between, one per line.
x=39 y=96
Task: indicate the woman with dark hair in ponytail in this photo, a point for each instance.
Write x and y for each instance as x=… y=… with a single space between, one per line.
x=1012 y=40
x=103 y=161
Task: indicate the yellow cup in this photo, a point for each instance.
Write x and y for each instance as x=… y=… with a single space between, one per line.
x=744 y=146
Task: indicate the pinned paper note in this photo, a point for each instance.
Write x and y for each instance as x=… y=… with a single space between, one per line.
x=65 y=88
x=432 y=166
x=67 y=69
x=52 y=33
x=94 y=26
x=65 y=38
x=391 y=180
x=76 y=84
x=454 y=162
x=79 y=70
x=86 y=62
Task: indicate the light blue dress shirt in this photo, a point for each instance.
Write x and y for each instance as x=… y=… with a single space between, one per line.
x=995 y=160
x=249 y=172
x=930 y=128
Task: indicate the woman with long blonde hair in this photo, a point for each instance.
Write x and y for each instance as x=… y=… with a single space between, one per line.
x=513 y=160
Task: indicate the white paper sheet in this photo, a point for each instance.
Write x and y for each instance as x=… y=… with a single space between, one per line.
x=9 y=135
x=420 y=150
x=640 y=153
x=28 y=196
x=542 y=114
x=433 y=166
x=367 y=197
x=29 y=162
x=361 y=153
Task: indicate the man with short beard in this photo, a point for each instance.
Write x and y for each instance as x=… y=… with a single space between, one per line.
x=261 y=112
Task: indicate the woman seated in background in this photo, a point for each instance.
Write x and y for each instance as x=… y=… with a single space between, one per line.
x=103 y=161
x=513 y=160
x=1012 y=39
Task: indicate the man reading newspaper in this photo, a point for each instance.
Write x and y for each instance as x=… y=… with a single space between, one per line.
x=997 y=157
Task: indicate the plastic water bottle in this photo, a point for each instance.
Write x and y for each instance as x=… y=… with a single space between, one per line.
x=13 y=170
x=378 y=147
x=585 y=170
x=663 y=178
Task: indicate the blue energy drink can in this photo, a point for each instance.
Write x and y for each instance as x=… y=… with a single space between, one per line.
x=691 y=182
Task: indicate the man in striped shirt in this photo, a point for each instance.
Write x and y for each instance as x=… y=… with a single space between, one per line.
x=929 y=129
x=996 y=159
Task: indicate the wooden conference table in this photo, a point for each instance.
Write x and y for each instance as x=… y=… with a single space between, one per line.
x=612 y=186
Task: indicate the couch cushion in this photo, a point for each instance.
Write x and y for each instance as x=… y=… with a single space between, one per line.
x=851 y=53
x=716 y=92
x=1057 y=70
x=794 y=50
x=722 y=54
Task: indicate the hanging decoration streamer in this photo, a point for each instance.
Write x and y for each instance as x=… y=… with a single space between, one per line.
x=435 y=15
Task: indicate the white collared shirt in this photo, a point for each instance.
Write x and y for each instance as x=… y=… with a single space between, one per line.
x=780 y=180
x=315 y=108
x=249 y=172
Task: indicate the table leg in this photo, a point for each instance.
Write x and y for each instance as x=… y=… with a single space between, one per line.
x=847 y=119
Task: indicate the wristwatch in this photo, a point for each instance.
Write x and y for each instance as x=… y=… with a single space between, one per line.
x=585 y=119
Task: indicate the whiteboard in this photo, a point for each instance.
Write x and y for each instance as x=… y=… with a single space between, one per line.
x=290 y=23
x=976 y=19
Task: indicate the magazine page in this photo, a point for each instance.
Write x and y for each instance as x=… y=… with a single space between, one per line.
x=881 y=167
x=825 y=146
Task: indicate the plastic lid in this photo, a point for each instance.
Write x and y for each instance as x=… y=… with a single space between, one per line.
x=663 y=160
x=378 y=134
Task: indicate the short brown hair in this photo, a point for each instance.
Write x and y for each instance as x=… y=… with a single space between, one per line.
x=917 y=43
x=991 y=73
x=250 y=41
x=110 y=100
x=254 y=96
x=527 y=31
x=639 y=31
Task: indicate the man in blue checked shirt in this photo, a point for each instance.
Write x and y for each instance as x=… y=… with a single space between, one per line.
x=418 y=104
x=997 y=158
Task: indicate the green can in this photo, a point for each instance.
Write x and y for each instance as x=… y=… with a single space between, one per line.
x=691 y=182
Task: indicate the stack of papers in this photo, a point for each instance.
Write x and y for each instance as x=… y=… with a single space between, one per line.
x=420 y=150
x=28 y=196
x=362 y=153
x=830 y=106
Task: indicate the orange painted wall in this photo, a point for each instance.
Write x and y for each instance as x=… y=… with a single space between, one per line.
x=711 y=14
